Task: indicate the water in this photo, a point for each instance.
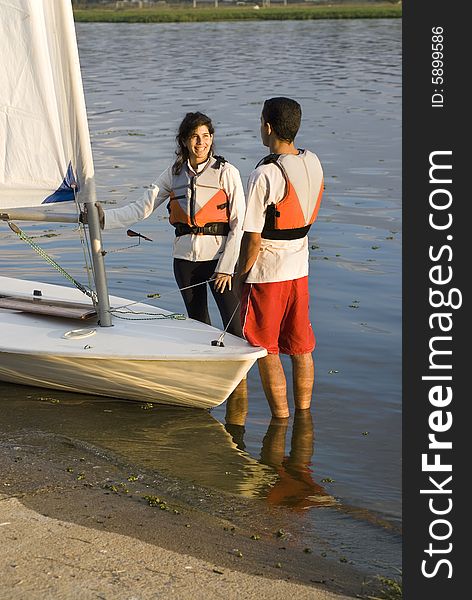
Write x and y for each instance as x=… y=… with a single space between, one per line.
x=139 y=81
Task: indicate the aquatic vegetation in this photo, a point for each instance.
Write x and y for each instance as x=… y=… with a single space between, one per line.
x=162 y=504
x=391 y=589
x=152 y=500
x=280 y=533
x=48 y=399
x=147 y=405
x=111 y=487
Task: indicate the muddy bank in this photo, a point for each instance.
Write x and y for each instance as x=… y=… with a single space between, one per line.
x=72 y=484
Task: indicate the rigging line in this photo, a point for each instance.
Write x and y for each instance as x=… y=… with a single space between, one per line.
x=157 y=296
x=124 y=248
x=85 y=245
x=23 y=236
x=225 y=330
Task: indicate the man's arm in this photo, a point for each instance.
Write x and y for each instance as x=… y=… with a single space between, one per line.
x=253 y=223
x=250 y=246
x=225 y=268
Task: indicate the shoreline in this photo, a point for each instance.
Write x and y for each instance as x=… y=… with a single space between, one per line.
x=94 y=564
x=178 y=14
x=72 y=517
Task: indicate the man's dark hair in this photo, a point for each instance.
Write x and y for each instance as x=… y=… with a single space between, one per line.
x=284 y=115
x=189 y=123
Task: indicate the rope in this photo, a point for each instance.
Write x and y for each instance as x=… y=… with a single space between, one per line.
x=222 y=336
x=152 y=316
x=158 y=296
x=116 y=310
x=22 y=235
x=85 y=243
x=121 y=249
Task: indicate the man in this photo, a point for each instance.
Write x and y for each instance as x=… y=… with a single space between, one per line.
x=284 y=194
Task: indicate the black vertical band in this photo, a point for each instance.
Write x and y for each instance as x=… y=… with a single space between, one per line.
x=436 y=250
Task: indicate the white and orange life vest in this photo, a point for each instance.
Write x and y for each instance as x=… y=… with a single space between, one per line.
x=291 y=217
x=198 y=202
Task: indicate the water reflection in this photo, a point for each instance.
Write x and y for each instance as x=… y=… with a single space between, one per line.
x=187 y=444
x=295 y=486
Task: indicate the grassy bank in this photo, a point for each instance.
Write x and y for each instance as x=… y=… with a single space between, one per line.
x=239 y=13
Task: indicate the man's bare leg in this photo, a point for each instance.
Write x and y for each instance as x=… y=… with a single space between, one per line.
x=274 y=384
x=303 y=372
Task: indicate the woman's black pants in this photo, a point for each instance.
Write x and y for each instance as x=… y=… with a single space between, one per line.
x=188 y=273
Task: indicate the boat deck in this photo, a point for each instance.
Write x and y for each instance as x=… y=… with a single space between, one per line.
x=53 y=308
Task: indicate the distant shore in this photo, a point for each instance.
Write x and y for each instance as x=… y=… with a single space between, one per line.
x=167 y=14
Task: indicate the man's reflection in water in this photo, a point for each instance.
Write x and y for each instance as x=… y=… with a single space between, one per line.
x=295 y=486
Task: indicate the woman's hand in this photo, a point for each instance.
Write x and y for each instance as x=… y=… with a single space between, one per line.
x=221 y=281
x=83 y=218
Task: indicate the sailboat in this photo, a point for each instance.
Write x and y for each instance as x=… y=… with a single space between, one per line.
x=77 y=338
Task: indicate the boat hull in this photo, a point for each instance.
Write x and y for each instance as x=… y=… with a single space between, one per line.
x=191 y=383
x=147 y=355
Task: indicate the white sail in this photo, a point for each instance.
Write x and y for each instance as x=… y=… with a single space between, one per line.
x=44 y=139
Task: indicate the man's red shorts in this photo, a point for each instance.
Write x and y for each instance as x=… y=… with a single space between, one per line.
x=275 y=316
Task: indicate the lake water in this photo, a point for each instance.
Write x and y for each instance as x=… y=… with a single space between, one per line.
x=139 y=81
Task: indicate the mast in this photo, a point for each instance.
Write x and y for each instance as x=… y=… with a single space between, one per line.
x=99 y=273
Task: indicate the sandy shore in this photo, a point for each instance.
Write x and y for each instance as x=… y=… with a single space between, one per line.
x=75 y=525
x=48 y=558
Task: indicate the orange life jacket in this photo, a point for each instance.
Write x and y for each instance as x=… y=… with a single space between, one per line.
x=198 y=204
x=291 y=217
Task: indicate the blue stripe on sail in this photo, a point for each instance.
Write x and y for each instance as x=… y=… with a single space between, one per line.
x=65 y=192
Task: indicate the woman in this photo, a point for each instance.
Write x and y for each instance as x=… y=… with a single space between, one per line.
x=206 y=206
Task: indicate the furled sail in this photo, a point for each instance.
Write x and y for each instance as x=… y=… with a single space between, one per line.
x=45 y=153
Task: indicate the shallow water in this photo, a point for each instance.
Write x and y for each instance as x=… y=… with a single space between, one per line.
x=139 y=81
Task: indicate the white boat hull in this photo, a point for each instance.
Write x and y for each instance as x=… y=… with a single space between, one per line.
x=153 y=360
